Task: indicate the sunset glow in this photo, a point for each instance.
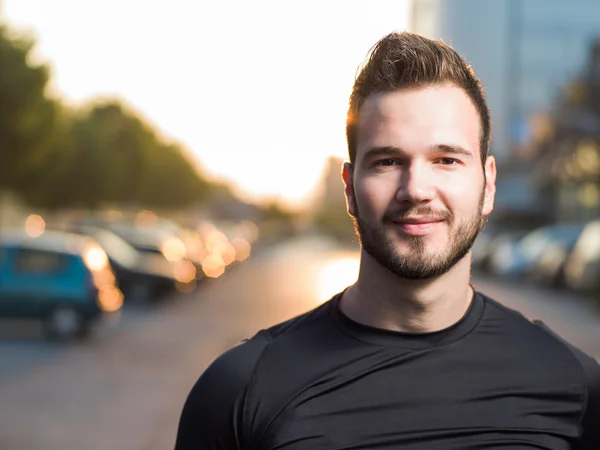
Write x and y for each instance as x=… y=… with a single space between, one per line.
x=257 y=91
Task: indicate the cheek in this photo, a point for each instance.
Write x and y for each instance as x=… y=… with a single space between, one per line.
x=374 y=194
x=465 y=196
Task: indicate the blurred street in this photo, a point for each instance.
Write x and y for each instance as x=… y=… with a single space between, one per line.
x=154 y=212
x=125 y=387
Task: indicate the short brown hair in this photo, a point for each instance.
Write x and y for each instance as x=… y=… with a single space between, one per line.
x=407 y=60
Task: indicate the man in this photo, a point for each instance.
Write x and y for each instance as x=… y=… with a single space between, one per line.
x=410 y=356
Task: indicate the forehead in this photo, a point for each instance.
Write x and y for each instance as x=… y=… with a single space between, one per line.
x=420 y=117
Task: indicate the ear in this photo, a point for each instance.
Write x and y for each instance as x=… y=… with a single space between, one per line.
x=490 y=185
x=347 y=177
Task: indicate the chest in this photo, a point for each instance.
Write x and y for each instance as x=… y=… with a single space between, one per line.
x=429 y=403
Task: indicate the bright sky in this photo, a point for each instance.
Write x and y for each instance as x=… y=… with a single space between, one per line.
x=256 y=90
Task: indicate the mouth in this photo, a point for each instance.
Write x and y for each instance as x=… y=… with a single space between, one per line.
x=417 y=227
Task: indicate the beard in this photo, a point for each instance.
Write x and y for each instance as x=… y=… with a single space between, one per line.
x=417 y=262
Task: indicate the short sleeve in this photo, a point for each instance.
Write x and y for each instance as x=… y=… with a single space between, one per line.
x=590 y=424
x=590 y=419
x=212 y=416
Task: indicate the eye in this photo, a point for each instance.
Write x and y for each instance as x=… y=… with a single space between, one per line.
x=449 y=161
x=386 y=162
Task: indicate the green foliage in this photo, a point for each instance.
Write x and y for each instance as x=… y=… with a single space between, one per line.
x=29 y=120
x=103 y=153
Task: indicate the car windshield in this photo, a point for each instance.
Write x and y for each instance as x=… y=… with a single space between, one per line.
x=117 y=249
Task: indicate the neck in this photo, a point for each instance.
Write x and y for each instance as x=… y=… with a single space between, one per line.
x=382 y=299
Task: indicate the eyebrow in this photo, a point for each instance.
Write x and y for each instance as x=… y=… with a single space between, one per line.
x=391 y=150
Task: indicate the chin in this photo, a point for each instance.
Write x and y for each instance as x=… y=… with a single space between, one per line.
x=406 y=241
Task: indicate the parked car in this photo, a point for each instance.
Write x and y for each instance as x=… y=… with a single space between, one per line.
x=500 y=249
x=489 y=242
x=161 y=245
x=481 y=250
x=63 y=279
x=519 y=260
x=141 y=276
x=582 y=269
x=550 y=268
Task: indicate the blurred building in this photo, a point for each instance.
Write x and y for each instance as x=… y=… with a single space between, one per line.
x=567 y=154
x=524 y=51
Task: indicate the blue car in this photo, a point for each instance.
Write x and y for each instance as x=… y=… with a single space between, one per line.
x=63 y=279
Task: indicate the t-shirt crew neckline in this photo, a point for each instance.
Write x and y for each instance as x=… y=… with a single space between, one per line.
x=388 y=338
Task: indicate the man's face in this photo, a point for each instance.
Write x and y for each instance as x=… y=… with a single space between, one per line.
x=417 y=190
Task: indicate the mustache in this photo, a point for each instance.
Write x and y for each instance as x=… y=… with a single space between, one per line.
x=391 y=216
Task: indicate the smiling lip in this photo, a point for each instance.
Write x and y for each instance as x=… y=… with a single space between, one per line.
x=417 y=226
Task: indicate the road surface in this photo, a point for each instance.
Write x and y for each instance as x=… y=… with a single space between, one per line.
x=124 y=389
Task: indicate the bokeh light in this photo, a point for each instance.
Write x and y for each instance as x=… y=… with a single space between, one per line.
x=213 y=266
x=35 y=225
x=174 y=249
x=95 y=258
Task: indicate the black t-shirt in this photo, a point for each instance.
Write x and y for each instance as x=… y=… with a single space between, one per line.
x=494 y=380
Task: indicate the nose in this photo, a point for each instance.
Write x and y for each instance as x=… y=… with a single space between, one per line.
x=416 y=185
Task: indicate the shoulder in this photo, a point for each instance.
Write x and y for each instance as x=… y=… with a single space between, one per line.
x=299 y=324
x=534 y=334
x=236 y=366
x=590 y=374
x=542 y=343
x=213 y=411
x=517 y=325
x=213 y=415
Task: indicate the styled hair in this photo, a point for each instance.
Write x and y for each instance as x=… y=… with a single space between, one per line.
x=403 y=60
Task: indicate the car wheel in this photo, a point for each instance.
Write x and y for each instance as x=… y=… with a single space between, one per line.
x=64 y=323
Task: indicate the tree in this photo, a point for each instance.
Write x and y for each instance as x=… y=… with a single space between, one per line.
x=30 y=121
x=115 y=157
x=170 y=180
x=104 y=153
